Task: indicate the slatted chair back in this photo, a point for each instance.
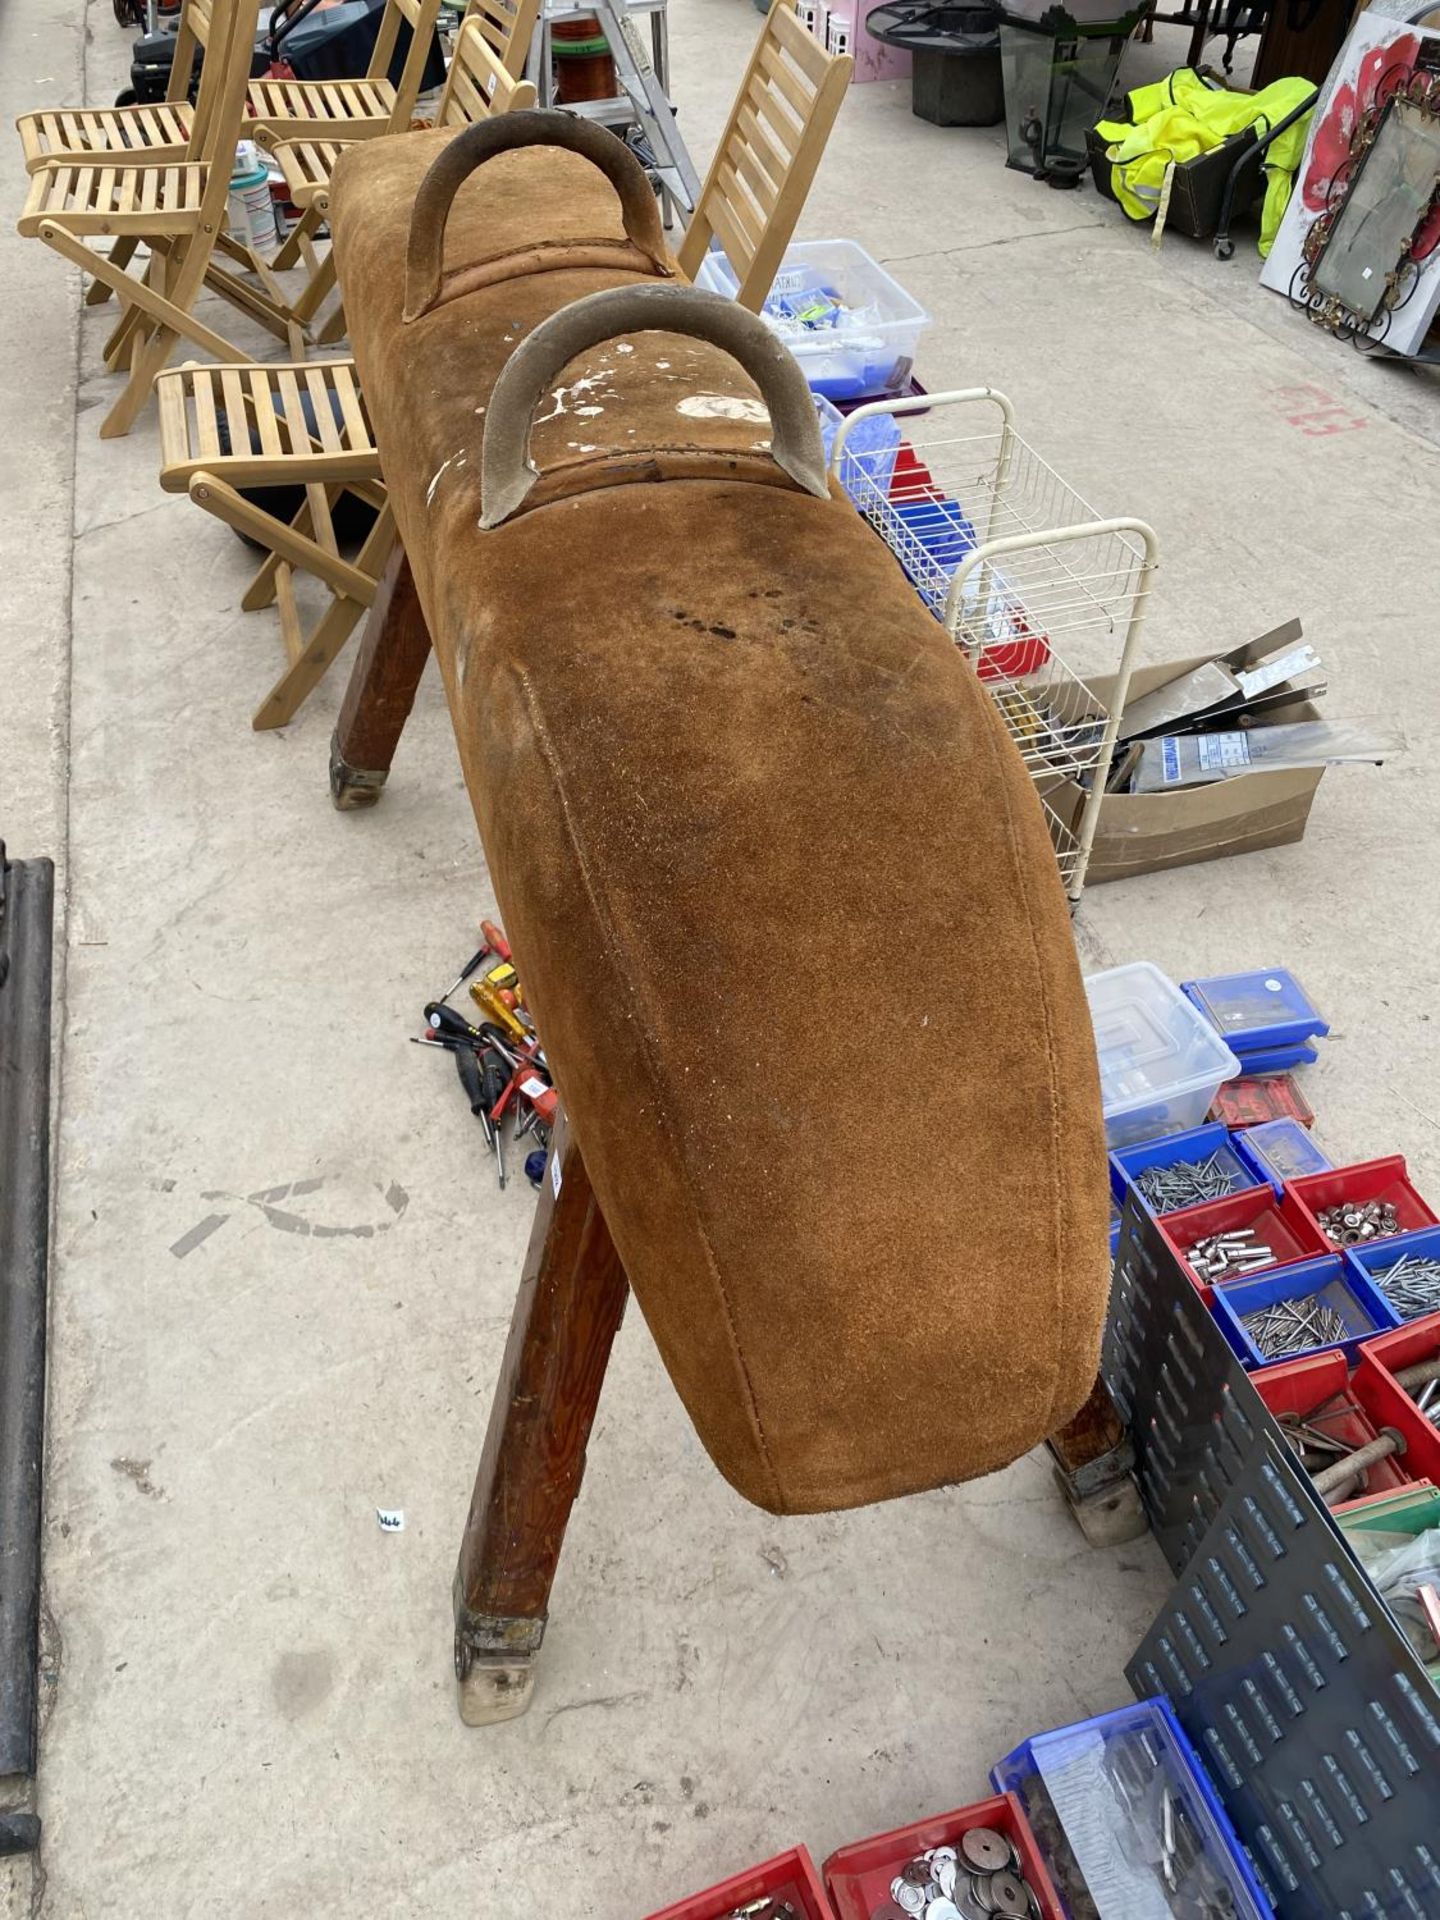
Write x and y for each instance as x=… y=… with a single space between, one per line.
x=422 y=17
x=478 y=83
x=766 y=161
x=220 y=107
x=193 y=34
x=507 y=27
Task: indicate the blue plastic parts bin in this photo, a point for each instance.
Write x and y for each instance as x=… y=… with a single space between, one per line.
x=1373 y=1260
x=1282 y=1150
x=871 y=449
x=1274 y=1059
x=1104 y=1781
x=1258 y=1011
x=1200 y=1143
x=1339 y=1283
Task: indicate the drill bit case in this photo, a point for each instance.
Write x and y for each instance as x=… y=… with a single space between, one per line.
x=721 y=758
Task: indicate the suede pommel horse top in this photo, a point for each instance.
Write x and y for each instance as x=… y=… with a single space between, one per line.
x=776 y=879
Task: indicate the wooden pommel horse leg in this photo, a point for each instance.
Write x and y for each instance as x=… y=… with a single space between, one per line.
x=572 y=1295
x=381 y=691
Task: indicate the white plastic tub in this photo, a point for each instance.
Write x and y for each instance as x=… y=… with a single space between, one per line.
x=1161 y=1062
x=864 y=348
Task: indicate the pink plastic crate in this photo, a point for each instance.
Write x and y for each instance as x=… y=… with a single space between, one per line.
x=789 y=1876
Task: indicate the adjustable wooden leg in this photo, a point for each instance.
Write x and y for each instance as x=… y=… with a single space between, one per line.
x=572 y=1295
x=393 y=650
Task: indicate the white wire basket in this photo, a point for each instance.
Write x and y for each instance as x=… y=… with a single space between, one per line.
x=1045 y=598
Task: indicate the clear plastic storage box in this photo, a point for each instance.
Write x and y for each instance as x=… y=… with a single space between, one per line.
x=853 y=329
x=1161 y=1061
x=1128 y=1823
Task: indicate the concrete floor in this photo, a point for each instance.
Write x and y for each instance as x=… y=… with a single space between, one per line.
x=250 y=1702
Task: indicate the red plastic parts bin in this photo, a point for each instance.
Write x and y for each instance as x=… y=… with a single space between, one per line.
x=1283 y=1227
x=859 y=1876
x=1380 y=1360
x=790 y=1875
x=1300 y=1386
x=1384 y=1180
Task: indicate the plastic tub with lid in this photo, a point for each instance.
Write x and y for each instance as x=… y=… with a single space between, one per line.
x=1161 y=1061
x=853 y=329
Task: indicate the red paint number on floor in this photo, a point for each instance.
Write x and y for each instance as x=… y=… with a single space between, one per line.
x=1313 y=411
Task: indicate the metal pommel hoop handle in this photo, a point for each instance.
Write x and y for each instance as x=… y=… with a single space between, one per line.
x=506 y=472
x=504 y=134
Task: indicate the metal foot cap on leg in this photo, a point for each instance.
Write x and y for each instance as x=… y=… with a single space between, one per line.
x=353 y=787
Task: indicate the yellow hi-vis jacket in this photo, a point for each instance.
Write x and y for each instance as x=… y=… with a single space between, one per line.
x=1176 y=119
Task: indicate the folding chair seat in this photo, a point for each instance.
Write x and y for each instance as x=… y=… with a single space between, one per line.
x=97 y=199
x=228 y=429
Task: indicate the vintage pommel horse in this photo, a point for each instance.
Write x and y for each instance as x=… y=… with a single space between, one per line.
x=721 y=759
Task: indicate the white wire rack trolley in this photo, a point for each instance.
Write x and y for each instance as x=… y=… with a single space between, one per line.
x=1045 y=598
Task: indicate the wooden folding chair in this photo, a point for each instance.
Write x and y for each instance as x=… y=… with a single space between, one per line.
x=768 y=156
x=157 y=130
x=176 y=211
x=312 y=431
x=477 y=86
x=359 y=109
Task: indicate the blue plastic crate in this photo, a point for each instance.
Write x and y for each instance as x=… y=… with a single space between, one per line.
x=1104 y=1782
x=1346 y=1287
x=1281 y=1150
x=1198 y=1144
x=1265 y=1008
x=1373 y=1261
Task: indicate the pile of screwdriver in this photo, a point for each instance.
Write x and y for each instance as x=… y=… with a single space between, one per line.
x=499 y=1060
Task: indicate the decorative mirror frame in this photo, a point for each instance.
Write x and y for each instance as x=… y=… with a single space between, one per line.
x=1420 y=90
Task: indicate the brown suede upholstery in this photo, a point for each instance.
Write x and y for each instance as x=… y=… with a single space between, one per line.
x=776 y=880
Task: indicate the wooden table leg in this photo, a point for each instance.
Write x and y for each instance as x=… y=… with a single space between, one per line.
x=393 y=650
x=572 y=1295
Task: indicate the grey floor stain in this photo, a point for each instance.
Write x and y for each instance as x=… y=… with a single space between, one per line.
x=138 y=1472
x=201 y=1230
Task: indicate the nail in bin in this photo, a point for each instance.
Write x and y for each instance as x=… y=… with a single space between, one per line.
x=1331 y=1281
x=1383 y=1360
x=1128 y=1821
x=1209 y=1147
x=1161 y=1062
x=1279 y=1150
x=1278 y=1226
x=1322 y=1393
x=859 y=1877
x=1382 y=1180
x=789 y=1876
x=1257 y=1011
x=1411 y=1292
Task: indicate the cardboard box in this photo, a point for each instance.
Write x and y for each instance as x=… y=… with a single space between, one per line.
x=1148 y=832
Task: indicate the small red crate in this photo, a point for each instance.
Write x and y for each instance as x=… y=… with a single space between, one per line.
x=1380 y=1360
x=1300 y=1386
x=791 y=1876
x=1370 y=1180
x=859 y=1875
x=1289 y=1234
x=1255 y=1098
